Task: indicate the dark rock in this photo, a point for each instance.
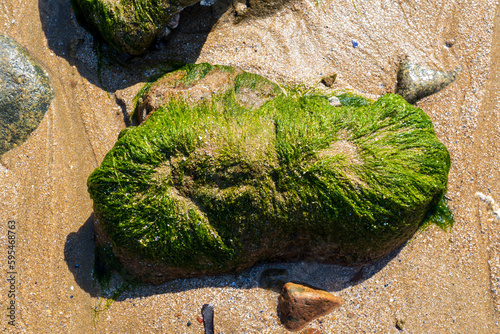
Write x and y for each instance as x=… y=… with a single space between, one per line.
x=228 y=171
x=207 y=311
x=25 y=94
x=329 y=81
x=274 y=278
x=400 y=324
x=128 y=26
x=299 y=304
x=416 y=82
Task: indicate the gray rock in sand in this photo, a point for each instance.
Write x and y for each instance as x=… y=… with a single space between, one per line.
x=416 y=82
x=25 y=94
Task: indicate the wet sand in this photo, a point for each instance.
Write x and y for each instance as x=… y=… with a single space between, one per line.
x=437 y=283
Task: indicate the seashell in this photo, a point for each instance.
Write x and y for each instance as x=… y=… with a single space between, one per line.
x=416 y=82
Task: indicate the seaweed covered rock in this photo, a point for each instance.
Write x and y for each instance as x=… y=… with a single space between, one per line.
x=214 y=185
x=25 y=94
x=128 y=26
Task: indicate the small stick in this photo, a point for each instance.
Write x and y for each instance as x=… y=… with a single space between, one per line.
x=207 y=311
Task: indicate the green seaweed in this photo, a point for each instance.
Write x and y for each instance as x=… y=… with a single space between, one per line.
x=128 y=26
x=105 y=263
x=440 y=215
x=204 y=186
x=353 y=100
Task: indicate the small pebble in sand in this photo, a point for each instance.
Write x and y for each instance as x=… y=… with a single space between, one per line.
x=334 y=101
x=355 y=44
x=199 y=319
x=330 y=80
x=400 y=323
x=240 y=8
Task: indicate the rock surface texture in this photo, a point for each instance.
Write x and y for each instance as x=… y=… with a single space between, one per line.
x=128 y=26
x=25 y=94
x=299 y=304
x=228 y=171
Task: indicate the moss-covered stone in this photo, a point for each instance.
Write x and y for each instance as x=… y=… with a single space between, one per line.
x=25 y=94
x=214 y=185
x=129 y=26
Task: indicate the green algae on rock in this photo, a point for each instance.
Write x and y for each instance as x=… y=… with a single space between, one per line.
x=25 y=94
x=129 y=26
x=214 y=184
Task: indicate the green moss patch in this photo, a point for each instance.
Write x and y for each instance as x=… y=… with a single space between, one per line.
x=215 y=186
x=129 y=26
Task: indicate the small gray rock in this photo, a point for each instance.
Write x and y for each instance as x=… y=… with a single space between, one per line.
x=416 y=82
x=175 y=22
x=334 y=101
x=25 y=94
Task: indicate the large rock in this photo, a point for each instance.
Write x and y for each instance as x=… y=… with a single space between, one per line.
x=416 y=82
x=300 y=304
x=129 y=26
x=217 y=180
x=25 y=94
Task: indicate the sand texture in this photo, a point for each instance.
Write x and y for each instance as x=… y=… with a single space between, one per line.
x=437 y=283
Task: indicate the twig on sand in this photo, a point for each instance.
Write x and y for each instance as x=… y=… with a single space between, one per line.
x=207 y=311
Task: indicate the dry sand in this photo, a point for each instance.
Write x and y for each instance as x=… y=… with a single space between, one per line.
x=437 y=283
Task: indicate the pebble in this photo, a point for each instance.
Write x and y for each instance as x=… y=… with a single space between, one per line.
x=330 y=80
x=174 y=22
x=240 y=8
x=299 y=304
x=400 y=324
x=334 y=101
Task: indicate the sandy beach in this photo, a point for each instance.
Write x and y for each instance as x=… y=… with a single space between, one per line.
x=436 y=283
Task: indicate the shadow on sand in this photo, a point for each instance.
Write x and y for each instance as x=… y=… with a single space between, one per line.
x=104 y=67
x=79 y=250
